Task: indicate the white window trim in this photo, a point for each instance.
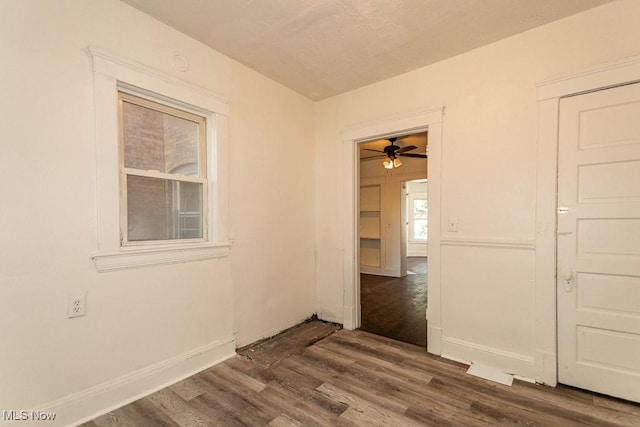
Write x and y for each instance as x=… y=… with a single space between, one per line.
x=112 y=73
x=412 y=197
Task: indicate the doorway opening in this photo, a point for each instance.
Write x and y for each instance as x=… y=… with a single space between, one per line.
x=405 y=124
x=393 y=228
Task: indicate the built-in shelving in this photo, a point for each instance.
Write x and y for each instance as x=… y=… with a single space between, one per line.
x=370 y=226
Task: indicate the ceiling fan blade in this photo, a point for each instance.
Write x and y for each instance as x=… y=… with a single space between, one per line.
x=369 y=149
x=374 y=156
x=422 y=156
x=407 y=148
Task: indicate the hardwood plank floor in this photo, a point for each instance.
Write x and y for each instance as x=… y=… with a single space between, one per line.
x=395 y=307
x=317 y=375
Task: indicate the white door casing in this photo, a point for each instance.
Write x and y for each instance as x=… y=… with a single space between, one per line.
x=598 y=267
x=549 y=92
x=418 y=121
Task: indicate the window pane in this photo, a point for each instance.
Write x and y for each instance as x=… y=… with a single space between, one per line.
x=154 y=140
x=159 y=209
x=420 y=229
x=420 y=209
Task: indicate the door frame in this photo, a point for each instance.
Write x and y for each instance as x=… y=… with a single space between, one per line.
x=549 y=93
x=419 y=121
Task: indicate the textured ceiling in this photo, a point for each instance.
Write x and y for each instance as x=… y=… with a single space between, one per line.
x=322 y=48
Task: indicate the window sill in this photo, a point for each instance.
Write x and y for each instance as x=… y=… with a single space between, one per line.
x=139 y=258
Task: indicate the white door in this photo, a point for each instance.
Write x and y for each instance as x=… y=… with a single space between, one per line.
x=598 y=284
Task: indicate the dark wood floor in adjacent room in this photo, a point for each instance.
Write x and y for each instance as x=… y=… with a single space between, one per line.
x=317 y=375
x=395 y=307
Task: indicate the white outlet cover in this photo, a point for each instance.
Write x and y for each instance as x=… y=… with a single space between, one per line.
x=76 y=306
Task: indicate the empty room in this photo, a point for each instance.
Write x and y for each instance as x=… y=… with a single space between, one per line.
x=340 y=212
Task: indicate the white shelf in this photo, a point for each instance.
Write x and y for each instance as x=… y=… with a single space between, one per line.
x=371 y=226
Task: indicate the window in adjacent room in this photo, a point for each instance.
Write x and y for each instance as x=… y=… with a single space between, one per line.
x=419 y=219
x=163 y=179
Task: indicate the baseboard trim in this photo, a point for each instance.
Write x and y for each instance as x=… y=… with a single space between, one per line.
x=379 y=271
x=434 y=338
x=509 y=362
x=547 y=368
x=87 y=404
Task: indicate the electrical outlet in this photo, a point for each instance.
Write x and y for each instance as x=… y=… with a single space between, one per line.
x=76 y=307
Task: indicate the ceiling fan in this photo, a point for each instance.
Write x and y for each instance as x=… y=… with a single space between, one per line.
x=393 y=151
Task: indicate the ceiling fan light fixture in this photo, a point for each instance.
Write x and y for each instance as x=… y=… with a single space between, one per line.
x=392 y=163
x=392 y=151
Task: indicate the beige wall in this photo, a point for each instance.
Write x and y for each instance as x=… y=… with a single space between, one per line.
x=147 y=318
x=272 y=205
x=488 y=174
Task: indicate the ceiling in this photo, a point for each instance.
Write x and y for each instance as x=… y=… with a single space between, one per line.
x=326 y=47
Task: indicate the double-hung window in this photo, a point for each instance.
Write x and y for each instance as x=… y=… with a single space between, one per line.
x=419 y=219
x=163 y=178
x=161 y=167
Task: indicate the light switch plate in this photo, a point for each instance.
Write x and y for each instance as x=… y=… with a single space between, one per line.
x=452 y=225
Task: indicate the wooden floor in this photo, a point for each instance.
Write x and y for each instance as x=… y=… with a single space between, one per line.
x=395 y=307
x=354 y=378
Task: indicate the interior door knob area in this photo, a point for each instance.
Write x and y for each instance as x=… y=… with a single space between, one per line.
x=567 y=283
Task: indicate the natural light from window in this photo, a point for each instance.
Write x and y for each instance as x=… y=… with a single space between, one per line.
x=419 y=219
x=162 y=172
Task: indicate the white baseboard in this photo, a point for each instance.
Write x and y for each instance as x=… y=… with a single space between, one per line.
x=509 y=362
x=434 y=338
x=389 y=272
x=329 y=317
x=547 y=369
x=92 y=402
